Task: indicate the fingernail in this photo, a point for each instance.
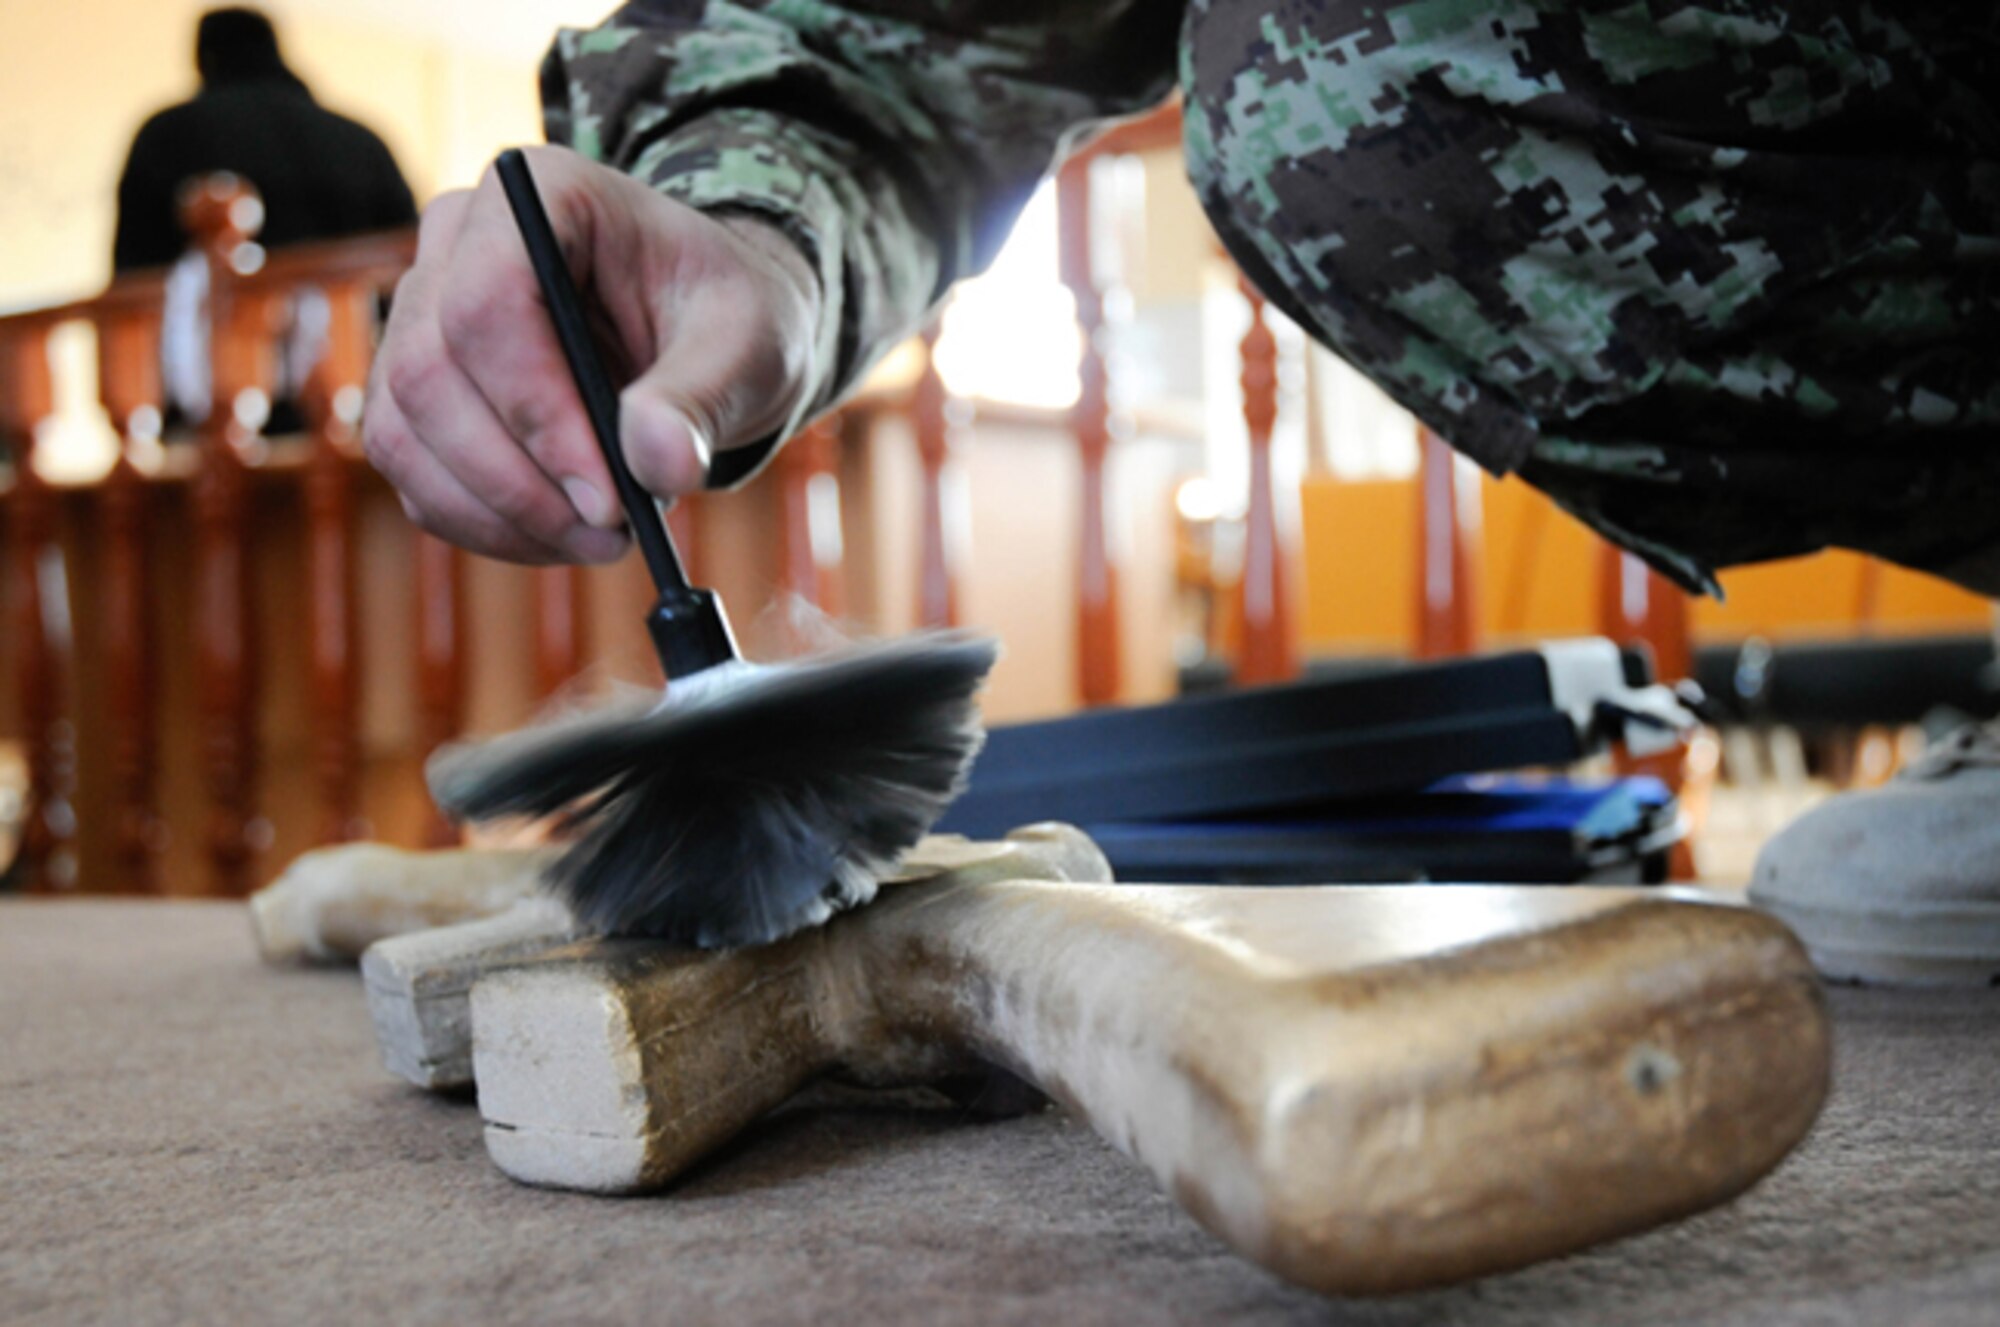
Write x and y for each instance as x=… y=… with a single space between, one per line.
x=591 y=504
x=699 y=442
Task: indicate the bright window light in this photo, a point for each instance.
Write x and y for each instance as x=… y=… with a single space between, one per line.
x=1198 y=499
x=1367 y=435
x=1010 y=334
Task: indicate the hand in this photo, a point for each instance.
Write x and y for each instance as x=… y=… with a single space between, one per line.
x=472 y=413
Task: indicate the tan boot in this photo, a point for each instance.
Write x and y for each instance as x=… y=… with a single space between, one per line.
x=1899 y=885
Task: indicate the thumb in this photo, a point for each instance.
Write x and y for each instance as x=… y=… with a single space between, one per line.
x=733 y=349
x=666 y=449
x=721 y=381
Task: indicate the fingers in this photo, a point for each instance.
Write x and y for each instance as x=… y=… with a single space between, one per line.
x=440 y=404
x=437 y=502
x=430 y=431
x=667 y=450
x=472 y=411
x=495 y=327
x=720 y=378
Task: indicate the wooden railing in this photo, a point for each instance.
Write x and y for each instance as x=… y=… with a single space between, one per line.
x=179 y=531
x=218 y=473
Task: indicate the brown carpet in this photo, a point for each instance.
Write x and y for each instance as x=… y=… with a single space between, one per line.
x=188 y=1137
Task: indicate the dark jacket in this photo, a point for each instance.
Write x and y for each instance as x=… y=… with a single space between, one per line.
x=321 y=175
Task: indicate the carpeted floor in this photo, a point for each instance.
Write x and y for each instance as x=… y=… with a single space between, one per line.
x=186 y=1136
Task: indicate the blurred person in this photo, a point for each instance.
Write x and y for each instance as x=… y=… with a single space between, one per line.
x=321 y=176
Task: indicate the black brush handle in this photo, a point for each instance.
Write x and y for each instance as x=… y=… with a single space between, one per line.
x=689 y=628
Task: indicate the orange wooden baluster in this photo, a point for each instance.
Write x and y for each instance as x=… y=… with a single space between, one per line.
x=331 y=402
x=440 y=659
x=1269 y=643
x=222 y=212
x=825 y=530
x=809 y=535
x=128 y=375
x=930 y=419
x=560 y=612
x=684 y=523
x=35 y=571
x=1447 y=588
x=1099 y=666
x=1638 y=605
x=798 y=574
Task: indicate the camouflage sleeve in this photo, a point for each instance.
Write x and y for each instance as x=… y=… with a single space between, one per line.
x=894 y=142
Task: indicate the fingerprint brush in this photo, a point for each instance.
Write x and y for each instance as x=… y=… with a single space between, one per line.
x=755 y=799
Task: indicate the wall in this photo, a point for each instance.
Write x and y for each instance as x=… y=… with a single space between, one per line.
x=83 y=74
x=1537 y=578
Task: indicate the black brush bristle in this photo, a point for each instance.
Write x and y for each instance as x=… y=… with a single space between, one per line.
x=757 y=801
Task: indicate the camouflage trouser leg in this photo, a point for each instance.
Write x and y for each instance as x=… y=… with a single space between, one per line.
x=1722 y=277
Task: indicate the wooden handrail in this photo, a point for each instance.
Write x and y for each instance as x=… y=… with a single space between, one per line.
x=1149 y=131
x=379 y=257
x=131 y=291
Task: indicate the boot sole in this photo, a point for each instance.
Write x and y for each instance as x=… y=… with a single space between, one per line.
x=1949 y=945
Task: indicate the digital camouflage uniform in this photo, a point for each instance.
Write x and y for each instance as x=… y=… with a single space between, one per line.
x=1722 y=277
